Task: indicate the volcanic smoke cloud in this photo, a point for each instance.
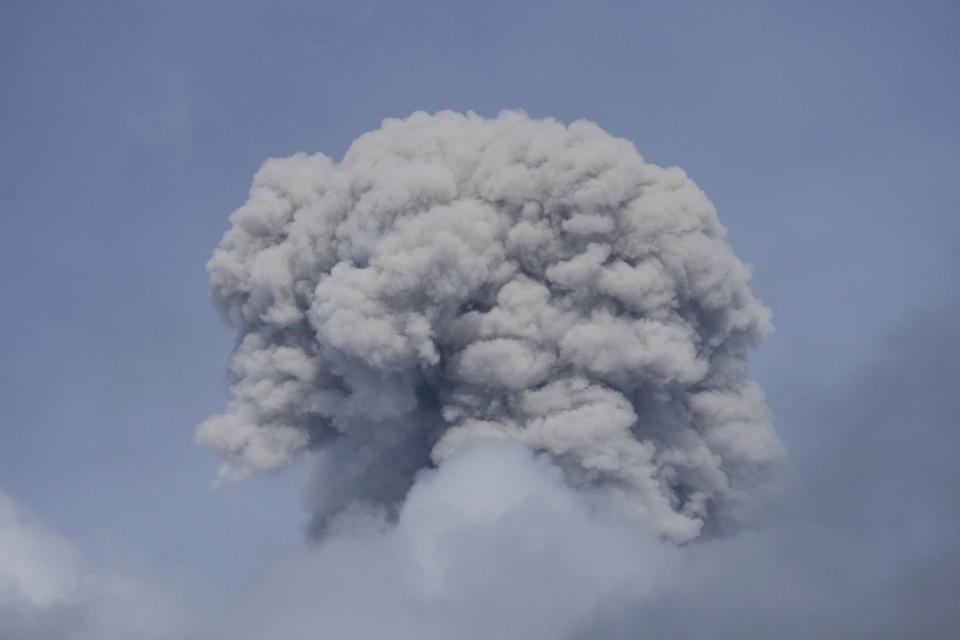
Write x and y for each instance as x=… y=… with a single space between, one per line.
x=456 y=278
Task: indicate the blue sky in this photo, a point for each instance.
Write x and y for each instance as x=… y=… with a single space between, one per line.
x=826 y=134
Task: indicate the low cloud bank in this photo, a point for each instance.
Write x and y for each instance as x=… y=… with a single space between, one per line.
x=51 y=589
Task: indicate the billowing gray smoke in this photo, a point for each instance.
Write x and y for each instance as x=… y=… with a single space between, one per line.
x=456 y=278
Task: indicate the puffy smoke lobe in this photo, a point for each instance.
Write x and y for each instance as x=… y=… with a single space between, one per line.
x=456 y=278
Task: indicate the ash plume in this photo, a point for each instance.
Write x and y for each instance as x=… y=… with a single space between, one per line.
x=456 y=278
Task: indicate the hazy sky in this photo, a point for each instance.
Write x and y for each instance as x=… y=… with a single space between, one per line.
x=826 y=134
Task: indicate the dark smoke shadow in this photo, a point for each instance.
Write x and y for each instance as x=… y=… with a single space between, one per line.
x=352 y=480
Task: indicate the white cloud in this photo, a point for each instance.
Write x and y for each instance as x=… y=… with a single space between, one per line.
x=50 y=589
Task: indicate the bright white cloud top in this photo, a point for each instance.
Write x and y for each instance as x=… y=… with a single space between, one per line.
x=457 y=278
